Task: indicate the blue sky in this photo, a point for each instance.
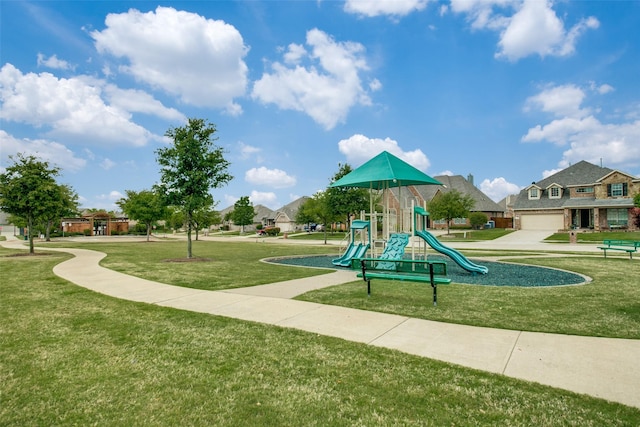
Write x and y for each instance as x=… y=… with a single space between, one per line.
x=507 y=91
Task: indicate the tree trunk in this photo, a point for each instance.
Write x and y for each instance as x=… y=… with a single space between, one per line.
x=30 y=231
x=189 y=252
x=148 y=230
x=48 y=231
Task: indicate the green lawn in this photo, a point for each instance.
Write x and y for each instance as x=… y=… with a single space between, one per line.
x=69 y=356
x=609 y=306
x=224 y=265
x=596 y=237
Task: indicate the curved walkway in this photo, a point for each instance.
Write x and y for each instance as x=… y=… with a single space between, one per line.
x=607 y=368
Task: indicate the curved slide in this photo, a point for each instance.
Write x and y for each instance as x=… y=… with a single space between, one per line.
x=459 y=259
x=353 y=251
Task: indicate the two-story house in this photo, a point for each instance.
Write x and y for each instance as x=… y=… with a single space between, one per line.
x=582 y=196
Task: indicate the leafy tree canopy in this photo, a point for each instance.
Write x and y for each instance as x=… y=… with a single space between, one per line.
x=243 y=212
x=190 y=168
x=345 y=201
x=450 y=205
x=143 y=206
x=28 y=189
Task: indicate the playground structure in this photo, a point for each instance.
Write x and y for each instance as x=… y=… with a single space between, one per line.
x=420 y=216
x=357 y=248
x=394 y=246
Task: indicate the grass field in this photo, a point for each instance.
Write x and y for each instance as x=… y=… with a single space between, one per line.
x=69 y=356
x=608 y=306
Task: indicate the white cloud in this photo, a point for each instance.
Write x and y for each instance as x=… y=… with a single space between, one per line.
x=53 y=62
x=587 y=137
x=103 y=201
x=107 y=164
x=446 y=173
x=137 y=101
x=358 y=149
x=196 y=59
x=498 y=188
x=49 y=151
x=247 y=151
x=394 y=8
x=70 y=109
x=565 y=100
x=481 y=13
x=275 y=178
x=230 y=200
x=325 y=90
x=267 y=199
x=533 y=29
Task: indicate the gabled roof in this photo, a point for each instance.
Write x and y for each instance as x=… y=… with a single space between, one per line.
x=582 y=173
x=262 y=212
x=291 y=209
x=459 y=183
x=617 y=171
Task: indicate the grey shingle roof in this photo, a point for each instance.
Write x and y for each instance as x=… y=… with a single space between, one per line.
x=459 y=183
x=581 y=173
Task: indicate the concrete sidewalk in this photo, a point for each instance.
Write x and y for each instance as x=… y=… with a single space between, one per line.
x=602 y=367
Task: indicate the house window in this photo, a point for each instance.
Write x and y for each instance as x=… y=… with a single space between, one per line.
x=617 y=218
x=617 y=190
x=554 y=193
x=460 y=221
x=584 y=190
x=533 y=193
x=439 y=221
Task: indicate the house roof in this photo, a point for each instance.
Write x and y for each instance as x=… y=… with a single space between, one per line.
x=582 y=173
x=291 y=209
x=461 y=184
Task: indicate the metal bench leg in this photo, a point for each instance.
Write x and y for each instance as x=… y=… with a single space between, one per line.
x=433 y=285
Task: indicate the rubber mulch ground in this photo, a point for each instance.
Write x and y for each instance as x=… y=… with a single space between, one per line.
x=500 y=273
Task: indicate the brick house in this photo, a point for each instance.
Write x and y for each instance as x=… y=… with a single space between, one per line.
x=582 y=196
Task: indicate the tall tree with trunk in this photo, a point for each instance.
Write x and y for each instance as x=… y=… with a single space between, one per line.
x=243 y=212
x=28 y=189
x=144 y=206
x=190 y=168
x=450 y=205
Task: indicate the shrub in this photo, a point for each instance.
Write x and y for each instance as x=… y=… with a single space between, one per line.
x=272 y=231
x=478 y=219
x=86 y=232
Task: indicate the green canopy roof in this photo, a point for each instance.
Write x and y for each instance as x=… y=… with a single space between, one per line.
x=385 y=171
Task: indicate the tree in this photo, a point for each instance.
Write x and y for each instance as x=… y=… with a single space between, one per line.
x=28 y=189
x=243 y=212
x=450 y=205
x=204 y=218
x=345 y=201
x=317 y=209
x=144 y=206
x=63 y=204
x=190 y=168
x=307 y=213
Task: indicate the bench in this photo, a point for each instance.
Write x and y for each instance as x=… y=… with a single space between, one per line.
x=628 y=246
x=431 y=272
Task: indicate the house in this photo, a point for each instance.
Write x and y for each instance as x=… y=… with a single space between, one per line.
x=421 y=194
x=582 y=196
x=262 y=216
x=285 y=217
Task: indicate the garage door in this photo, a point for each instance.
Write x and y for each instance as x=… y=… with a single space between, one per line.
x=542 y=222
